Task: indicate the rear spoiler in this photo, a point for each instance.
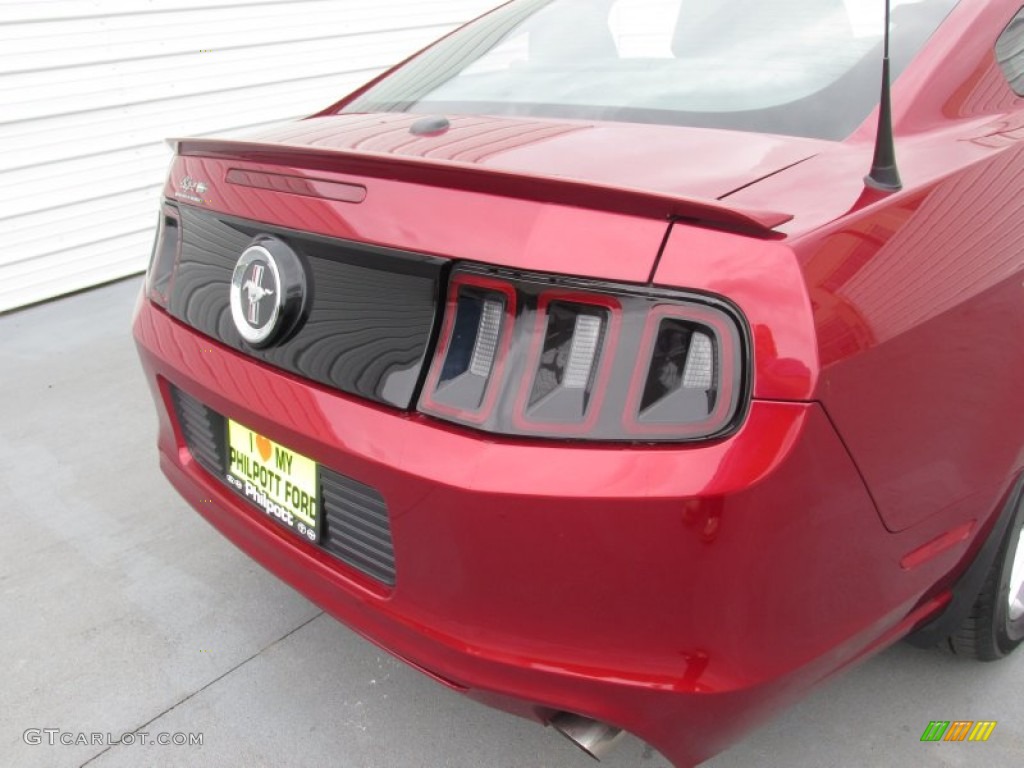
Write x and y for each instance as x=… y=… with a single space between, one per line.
x=441 y=173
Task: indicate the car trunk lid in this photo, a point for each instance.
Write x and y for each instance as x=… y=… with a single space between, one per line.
x=697 y=163
x=641 y=170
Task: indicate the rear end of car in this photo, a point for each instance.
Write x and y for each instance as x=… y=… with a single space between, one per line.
x=558 y=491
x=549 y=437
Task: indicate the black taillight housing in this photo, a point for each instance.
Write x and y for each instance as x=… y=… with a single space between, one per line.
x=541 y=355
x=163 y=262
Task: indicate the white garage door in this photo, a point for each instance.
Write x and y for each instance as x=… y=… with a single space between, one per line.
x=90 y=88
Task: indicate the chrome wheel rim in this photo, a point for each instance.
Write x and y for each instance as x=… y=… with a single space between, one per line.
x=1016 y=594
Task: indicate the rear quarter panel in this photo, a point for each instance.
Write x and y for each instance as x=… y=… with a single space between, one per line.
x=919 y=310
x=917 y=298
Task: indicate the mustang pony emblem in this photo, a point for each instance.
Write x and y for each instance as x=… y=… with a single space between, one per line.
x=255 y=292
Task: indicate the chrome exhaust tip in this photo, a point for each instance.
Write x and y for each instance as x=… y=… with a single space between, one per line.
x=592 y=736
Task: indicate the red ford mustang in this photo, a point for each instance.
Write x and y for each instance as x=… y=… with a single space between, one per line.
x=627 y=365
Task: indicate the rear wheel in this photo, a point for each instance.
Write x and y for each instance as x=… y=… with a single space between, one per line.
x=995 y=625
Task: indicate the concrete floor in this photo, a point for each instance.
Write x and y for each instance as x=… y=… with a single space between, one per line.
x=122 y=611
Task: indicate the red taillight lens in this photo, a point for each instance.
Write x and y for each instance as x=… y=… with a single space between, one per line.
x=529 y=354
x=164 y=260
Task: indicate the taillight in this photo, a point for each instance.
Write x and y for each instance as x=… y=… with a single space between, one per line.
x=531 y=354
x=574 y=337
x=473 y=348
x=164 y=260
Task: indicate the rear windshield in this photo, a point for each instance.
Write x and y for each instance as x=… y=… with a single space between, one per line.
x=796 y=67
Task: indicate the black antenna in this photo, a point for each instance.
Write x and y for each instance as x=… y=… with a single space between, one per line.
x=884 y=175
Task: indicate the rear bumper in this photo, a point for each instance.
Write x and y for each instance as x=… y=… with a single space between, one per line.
x=678 y=592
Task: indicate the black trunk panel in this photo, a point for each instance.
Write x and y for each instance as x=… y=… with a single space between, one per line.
x=371 y=310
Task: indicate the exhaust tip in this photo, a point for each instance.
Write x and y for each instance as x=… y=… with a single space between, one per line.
x=595 y=738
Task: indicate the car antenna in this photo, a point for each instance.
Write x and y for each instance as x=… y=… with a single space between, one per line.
x=884 y=175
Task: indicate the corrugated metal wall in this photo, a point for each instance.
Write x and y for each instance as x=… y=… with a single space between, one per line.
x=90 y=88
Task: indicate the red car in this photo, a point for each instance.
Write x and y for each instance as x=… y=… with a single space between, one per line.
x=625 y=365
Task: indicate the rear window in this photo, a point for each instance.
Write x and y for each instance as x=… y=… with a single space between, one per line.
x=798 y=67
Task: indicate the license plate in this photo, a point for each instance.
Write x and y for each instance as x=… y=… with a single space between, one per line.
x=276 y=479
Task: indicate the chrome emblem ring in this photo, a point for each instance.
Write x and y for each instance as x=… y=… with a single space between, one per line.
x=267 y=292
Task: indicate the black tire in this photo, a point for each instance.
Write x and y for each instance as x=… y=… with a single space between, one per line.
x=989 y=632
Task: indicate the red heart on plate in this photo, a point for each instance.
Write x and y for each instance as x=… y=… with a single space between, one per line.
x=264 y=446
